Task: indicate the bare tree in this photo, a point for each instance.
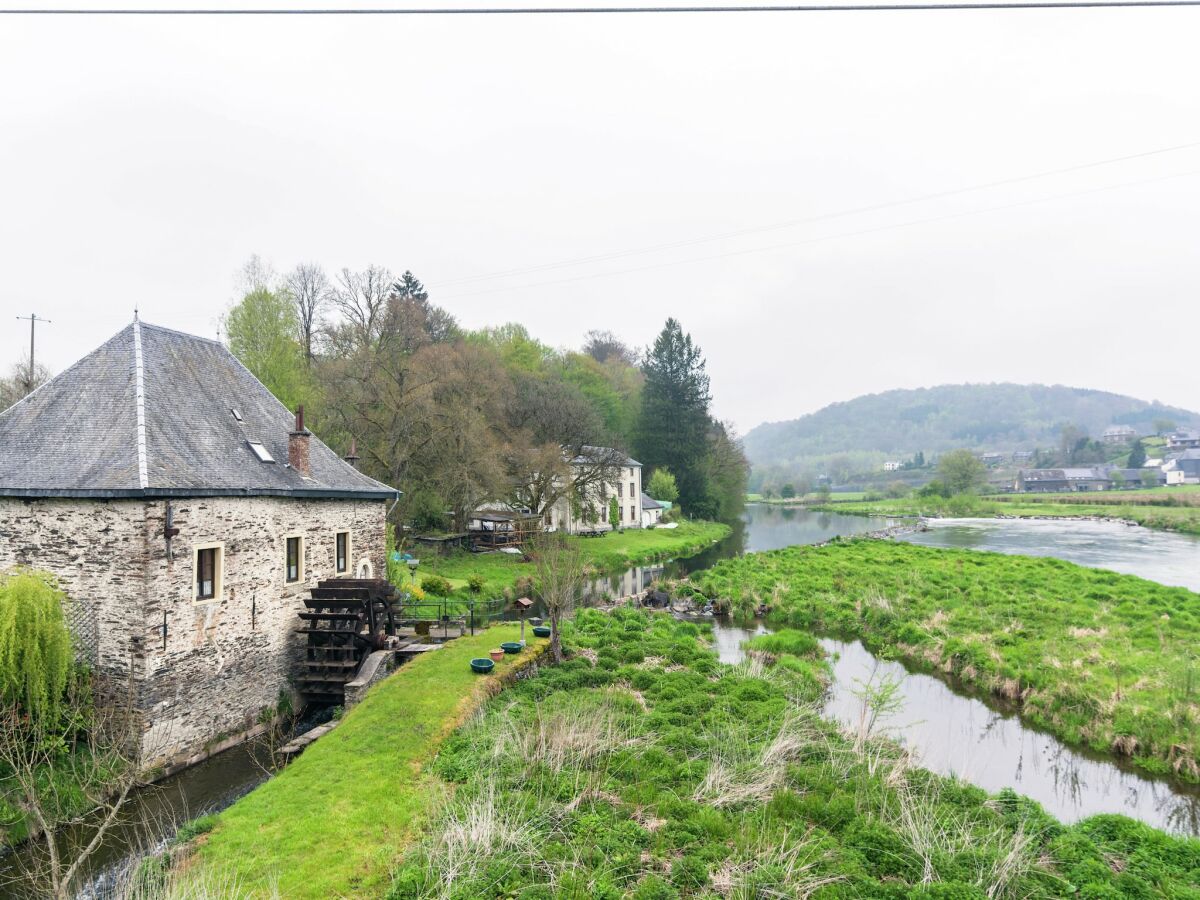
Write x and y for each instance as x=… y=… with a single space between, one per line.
x=95 y=753
x=604 y=345
x=311 y=292
x=362 y=298
x=18 y=384
x=257 y=274
x=560 y=567
x=551 y=451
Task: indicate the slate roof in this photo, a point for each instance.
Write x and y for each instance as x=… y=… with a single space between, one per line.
x=149 y=414
x=593 y=455
x=649 y=502
x=1075 y=474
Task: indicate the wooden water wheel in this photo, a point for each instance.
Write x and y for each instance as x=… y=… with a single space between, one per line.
x=344 y=620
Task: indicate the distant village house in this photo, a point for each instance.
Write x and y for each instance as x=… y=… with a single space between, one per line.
x=1118 y=434
x=1183 y=439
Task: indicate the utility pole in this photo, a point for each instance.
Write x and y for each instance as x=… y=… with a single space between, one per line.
x=32 y=319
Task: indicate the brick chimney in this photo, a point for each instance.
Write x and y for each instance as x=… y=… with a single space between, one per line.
x=298 y=445
x=352 y=457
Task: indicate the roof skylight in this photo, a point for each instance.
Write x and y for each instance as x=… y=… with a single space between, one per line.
x=261 y=452
x=237 y=413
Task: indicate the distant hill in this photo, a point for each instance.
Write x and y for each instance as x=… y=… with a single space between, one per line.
x=896 y=424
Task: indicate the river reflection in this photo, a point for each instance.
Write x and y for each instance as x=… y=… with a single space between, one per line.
x=953 y=734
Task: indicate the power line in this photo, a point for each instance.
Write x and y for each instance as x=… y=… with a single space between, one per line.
x=876 y=207
x=822 y=238
x=589 y=10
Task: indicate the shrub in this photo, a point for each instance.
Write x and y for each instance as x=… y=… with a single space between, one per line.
x=436 y=585
x=475 y=583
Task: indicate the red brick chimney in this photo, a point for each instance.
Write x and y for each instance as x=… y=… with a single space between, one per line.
x=298 y=445
x=352 y=457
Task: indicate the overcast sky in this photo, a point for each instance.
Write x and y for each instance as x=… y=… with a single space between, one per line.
x=143 y=160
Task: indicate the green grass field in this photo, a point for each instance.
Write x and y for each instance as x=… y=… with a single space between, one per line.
x=643 y=769
x=332 y=822
x=1100 y=659
x=614 y=551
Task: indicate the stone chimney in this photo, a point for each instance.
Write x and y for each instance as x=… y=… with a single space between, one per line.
x=298 y=445
x=352 y=456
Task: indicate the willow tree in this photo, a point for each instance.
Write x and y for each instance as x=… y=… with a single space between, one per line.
x=560 y=570
x=36 y=657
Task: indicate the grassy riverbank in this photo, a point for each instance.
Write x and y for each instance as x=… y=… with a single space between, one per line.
x=644 y=769
x=1100 y=659
x=331 y=823
x=613 y=552
x=1178 y=509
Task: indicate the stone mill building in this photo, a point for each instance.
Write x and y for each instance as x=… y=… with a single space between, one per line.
x=186 y=514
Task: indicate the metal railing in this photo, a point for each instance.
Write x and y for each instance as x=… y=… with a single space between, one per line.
x=471 y=614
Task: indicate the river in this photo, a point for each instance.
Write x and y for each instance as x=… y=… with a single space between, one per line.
x=1161 y=556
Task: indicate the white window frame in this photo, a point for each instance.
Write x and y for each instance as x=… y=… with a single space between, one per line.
x=349 y=552
x=300 y=563
x=218 y=572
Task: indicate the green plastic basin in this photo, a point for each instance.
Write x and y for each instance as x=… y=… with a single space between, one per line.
x=541 y=630
x=482 y=665
x=510 y=647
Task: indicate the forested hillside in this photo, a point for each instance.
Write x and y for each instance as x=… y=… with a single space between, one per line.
x=456 y=417
x=861 y=433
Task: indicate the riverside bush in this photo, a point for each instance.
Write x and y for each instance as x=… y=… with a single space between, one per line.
x=1099 y=659
x=658 y=780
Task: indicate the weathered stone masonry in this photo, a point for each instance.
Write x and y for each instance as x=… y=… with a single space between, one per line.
x=225 y=660
x=117 y=472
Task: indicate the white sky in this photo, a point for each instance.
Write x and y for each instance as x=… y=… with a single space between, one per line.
x=142 y=161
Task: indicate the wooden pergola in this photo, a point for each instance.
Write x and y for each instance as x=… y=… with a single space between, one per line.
x=494 y=530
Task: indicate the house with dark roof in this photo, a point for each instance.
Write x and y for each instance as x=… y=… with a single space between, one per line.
x=1184 y=468
x=1184 y=439
x=652 y=511
x=1045 y=481
x=604 y=473
x=186 y=514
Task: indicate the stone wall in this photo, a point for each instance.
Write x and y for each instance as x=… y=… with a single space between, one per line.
x=97 y=550
x=222 y=661
x=226 y=660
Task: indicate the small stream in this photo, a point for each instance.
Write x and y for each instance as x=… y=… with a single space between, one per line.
x=986 y=744
x=151 y=818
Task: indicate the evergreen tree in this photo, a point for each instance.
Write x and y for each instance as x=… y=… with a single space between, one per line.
x=1137 y=455
x=674 y=423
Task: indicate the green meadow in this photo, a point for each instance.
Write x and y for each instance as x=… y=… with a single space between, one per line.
x=1103 y=660
x=642 y=768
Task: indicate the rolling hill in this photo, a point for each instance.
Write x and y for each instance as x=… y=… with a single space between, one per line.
x=896 y=424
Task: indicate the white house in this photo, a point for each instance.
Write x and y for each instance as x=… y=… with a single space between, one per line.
x=589 y=511
x=892 y=465
x=652 y=511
